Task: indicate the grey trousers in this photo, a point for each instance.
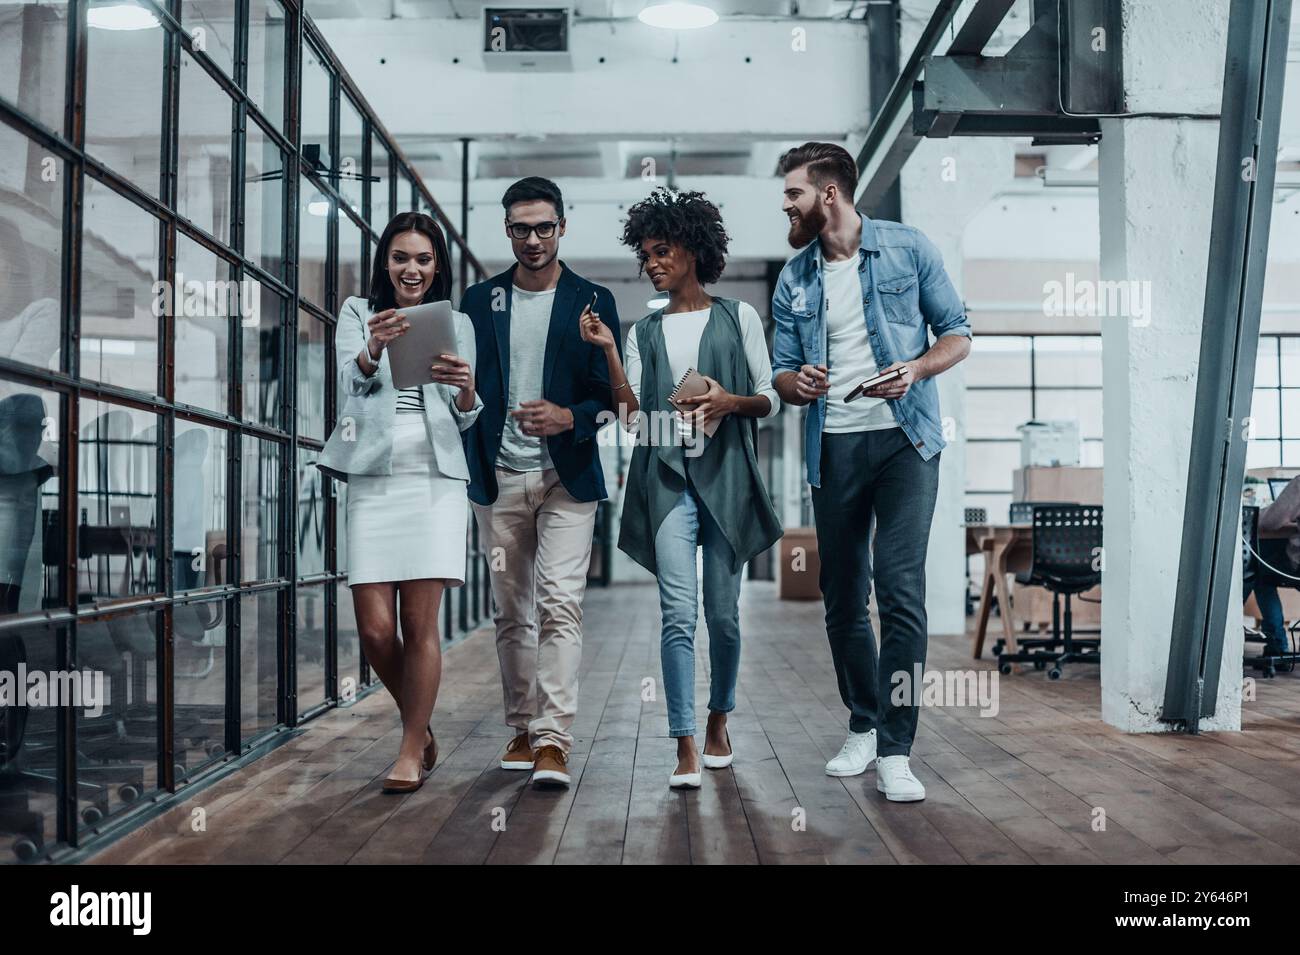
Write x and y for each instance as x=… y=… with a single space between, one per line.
x=875 y=476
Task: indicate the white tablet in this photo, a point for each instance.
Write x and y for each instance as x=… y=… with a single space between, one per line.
x=412 y=356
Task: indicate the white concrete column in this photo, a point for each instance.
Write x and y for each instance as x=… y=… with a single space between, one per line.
x=944 y=185
x=1156 y=187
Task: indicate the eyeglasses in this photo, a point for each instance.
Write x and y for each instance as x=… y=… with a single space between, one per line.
x=520 y=230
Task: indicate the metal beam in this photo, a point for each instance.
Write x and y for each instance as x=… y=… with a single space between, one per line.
x=1254 y=73
x=889 y=139
x=882 y=68
x=979 y=27
x=1052 y=125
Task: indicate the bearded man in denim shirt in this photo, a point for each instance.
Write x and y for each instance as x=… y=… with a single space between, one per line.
x=862 y=297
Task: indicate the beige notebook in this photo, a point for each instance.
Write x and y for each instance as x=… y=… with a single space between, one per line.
x=693 y=385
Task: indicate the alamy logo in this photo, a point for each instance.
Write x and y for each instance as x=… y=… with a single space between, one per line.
x=75 y=907
x=83 y=689
x=1125 y=298
x=654 y=429
x=214 y=298
x=946 y=688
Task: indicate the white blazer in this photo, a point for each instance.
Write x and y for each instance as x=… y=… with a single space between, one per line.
x=362 y=439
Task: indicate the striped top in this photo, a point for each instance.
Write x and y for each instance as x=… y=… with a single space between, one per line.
x=410 y=400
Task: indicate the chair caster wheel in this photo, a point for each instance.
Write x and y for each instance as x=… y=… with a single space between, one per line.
x=1054 y=673
x=128 y=793
x=1005 y=668
x=91 y=815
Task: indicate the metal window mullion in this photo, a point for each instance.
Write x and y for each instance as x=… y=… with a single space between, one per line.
x=287 y=640
x=243 y=14
x=1281 y=446
x=66 y=826
x=235 y=570
x=66 y=723
x=287 y=516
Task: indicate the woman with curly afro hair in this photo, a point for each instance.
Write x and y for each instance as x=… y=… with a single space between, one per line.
x=696 y=483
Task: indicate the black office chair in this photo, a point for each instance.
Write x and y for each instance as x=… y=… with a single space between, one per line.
x=1022 y=512
x=973 y=516
x=1066 y=544
x=1266 y=563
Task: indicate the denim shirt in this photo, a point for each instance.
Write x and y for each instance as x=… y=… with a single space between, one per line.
x=905 y=295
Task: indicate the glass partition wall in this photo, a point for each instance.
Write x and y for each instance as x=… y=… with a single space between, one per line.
x=189 y=189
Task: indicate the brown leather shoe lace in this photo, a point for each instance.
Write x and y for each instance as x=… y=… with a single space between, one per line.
x=552 y=752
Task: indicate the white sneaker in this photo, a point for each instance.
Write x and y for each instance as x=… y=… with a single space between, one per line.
x=855 y=756
x=894 y=778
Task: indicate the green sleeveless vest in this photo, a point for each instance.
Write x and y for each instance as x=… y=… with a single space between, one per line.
x=725 y=476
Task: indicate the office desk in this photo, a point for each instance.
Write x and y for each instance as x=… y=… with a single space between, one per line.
x=1006 y=548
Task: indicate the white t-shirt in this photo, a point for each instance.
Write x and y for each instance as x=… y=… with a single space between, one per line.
x=850 y=359
x=530 y=321
x=682 y=333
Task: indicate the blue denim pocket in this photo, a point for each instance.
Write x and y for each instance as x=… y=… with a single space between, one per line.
x=899 y=299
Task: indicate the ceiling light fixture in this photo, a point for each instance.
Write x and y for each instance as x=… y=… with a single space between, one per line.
x=120 y=16
x=678 y=16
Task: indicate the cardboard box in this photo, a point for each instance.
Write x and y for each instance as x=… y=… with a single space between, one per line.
x=800 y=566
x=1082 y=485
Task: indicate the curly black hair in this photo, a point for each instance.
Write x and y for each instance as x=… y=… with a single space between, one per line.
x=684 y=218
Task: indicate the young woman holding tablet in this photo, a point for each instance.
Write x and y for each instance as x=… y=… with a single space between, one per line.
x=399 y=450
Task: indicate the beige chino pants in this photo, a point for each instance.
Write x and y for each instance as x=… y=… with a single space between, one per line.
x=537 y=540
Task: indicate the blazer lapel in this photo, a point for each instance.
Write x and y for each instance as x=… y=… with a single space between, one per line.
x=501 y=328
x=561 y=317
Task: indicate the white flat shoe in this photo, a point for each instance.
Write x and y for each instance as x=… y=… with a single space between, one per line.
x=684 y=781
x=720 y=762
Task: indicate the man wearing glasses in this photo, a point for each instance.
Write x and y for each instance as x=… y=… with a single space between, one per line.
x=535 y=472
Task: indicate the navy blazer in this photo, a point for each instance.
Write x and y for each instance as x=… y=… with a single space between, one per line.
x=575 y=375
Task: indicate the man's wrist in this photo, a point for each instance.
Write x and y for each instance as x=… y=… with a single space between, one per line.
x=569 y=415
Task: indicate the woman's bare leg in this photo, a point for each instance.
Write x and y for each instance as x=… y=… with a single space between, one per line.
x=376 y=610
x=419 y=603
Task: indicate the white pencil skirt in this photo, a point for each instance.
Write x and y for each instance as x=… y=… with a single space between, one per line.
x=411 y=524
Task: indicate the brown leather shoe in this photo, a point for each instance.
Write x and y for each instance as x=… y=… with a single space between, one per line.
x=518 y=754
x=550 y=769
x=431 y=752
x=394 y=786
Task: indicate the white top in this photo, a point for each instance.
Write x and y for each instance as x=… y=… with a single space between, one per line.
x=410 y=400
x=530 y=320
x=682 y=333
x=849 y=355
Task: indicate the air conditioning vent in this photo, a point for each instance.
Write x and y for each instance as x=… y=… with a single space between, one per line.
x=521 y=39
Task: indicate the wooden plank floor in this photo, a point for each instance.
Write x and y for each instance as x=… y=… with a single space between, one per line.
x=1019 y=787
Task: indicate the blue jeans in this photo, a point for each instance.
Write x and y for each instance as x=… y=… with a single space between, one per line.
x=1273 y=551
x=687 y=526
